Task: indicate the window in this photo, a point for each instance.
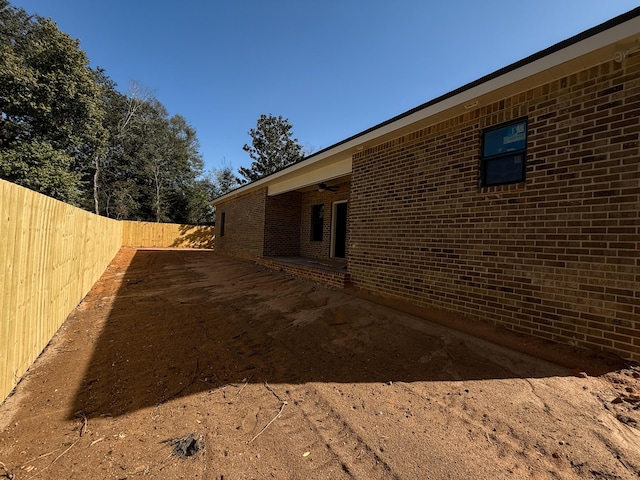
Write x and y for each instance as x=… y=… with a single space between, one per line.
x=504 y=154
x=317 y=222
x=222 y=218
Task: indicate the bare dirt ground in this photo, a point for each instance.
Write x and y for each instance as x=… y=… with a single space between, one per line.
x=277 y=377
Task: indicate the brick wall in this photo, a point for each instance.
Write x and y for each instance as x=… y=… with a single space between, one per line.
x=244 y=225
x=316 y=249
x=338 y=279
x=556 y=257
x=282 y=225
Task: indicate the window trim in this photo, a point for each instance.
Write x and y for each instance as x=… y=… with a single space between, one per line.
x=488 y=159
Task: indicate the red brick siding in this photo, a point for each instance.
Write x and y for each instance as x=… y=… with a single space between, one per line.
x=320 y=275
x=556 y=257
x=244 y=225
x=320 y=249
x=282 y=225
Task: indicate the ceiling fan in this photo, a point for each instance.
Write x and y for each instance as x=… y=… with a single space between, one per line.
x=323 y=187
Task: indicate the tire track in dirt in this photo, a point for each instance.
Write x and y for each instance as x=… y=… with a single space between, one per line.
x=458 y=411
x=356 y=457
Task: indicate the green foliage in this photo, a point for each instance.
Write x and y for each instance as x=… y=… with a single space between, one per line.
x=153 y=167
x=40 y=167
x=272 y=148
x=49 y=105
x=224 y=181
x=66 y=131
x=199 y=210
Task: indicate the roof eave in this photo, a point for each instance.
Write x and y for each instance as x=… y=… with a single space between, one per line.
x=601 y=36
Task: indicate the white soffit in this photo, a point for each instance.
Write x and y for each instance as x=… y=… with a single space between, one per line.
x=609 y=38
x=314 y=173
x=309 y=172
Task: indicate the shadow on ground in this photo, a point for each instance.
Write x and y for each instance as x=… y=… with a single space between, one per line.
x=182 y=322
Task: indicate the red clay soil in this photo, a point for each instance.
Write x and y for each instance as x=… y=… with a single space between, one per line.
x=188 y=364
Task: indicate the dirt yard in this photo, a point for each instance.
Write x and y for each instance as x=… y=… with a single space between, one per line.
x=251 y=374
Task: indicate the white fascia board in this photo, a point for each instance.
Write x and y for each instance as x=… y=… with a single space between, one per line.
x=606 y=38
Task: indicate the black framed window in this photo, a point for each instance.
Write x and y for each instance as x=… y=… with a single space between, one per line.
x=504 y=153
x=317 y=222
x=222 y=219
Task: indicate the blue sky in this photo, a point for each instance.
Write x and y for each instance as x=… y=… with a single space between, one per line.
x=333 y=68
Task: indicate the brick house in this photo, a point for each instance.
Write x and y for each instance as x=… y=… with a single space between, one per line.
x=514 y=199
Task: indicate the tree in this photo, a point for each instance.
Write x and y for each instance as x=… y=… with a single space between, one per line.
x=120 y=182
x=224 y=180
x=183 y=164
x=153 y=166
x=272 y=148
x=199 y=208
x=40 y=167
x=50 y=109
x=112 y=181
x=66 y=131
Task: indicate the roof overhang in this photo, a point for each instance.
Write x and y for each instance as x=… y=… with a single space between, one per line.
x=611 y=40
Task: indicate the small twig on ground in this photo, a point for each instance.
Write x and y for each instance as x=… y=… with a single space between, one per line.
x=193 y=379
x=217 y=379
x=206 y=380
x=7 y=473
x=284 y=404
x=59 y=456
x=96 y=441
x=83 y=427
x=213 y=390
x=273 y=391
x=245 y=384
x=54 y=460
x=37 y=458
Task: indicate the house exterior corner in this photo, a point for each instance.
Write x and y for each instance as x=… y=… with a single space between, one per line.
x=513 y=200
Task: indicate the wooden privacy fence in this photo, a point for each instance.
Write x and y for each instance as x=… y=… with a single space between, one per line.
x=51 y=254
x=148 y=234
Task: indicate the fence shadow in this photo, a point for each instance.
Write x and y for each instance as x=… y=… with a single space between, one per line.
x=183 y=322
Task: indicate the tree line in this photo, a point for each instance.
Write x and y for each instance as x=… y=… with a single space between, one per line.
x=67 y=132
